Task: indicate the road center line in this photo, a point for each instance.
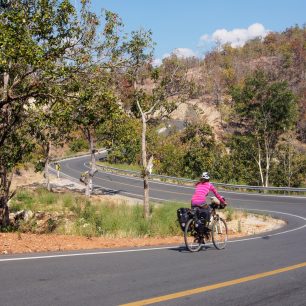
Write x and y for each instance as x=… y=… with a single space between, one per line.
x=189 y=292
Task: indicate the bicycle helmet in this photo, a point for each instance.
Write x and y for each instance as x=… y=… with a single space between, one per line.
x=205 y=176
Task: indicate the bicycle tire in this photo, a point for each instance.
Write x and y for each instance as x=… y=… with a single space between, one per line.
x=219 y=233
x=192 y=240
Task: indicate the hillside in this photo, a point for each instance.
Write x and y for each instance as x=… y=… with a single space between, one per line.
x=281 y=55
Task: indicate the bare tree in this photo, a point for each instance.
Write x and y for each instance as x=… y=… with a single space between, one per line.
x=156 y=100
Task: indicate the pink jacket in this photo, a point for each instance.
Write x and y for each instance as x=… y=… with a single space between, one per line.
x=201 y=191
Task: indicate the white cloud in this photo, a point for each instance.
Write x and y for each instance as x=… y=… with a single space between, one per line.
x=183 y=52
x=236 y=37
x=179 y=52
x=157 y=62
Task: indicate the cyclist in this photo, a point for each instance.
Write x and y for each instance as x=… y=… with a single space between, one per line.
x=202 y=188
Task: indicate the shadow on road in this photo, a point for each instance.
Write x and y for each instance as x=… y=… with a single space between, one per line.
x=266 y=237
x=183 y=249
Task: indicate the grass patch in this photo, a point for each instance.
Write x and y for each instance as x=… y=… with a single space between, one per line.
x=41 y=200
x=22 y=200
x=121 y=220
x=97 y=217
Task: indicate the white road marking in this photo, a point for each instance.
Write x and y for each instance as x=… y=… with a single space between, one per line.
x=84 y=254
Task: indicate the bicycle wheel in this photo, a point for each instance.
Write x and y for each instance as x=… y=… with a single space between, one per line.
x=219 y=233
x=192 y=240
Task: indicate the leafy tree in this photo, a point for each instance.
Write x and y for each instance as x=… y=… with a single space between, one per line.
x=50 y=125
x=266 y=109
x=239 y=162
x=92 y=88
x=35 y=38
x=95 y=103
x=169 y=154
x=290 y=162
x=202 y=150
x=18 y=144
x=121 y=135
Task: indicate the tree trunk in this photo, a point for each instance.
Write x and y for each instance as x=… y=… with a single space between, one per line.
x=93 y=167
x=5 y=180
x=259 y=160
x=146 y=204
x=5 y=184
x=268 y=161
x=4 y=211
x=267 y=177
x=267 y=174
x=47 y=162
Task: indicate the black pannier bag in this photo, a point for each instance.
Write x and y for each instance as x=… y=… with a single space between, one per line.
x=204 y=214
x=200 y=225
x=183 y=215
x=203 y=217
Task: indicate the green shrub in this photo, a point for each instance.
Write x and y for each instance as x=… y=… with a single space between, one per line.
x=22 y=200
x=78 y=145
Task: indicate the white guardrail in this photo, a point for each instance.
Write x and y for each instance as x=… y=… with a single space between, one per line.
x=190 y=181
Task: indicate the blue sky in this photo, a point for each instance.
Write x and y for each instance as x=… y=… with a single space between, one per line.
x=193 y=25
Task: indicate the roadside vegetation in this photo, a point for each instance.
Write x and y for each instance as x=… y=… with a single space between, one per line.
x=43 y=212
x=74 y=214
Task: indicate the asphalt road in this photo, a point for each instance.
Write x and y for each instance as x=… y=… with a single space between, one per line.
x=259 y=270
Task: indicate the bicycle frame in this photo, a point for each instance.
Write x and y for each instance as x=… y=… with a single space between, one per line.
x=216 y=218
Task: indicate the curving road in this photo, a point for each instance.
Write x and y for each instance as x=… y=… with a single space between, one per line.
x=259 y=270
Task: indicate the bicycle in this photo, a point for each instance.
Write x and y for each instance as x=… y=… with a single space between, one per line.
x=196 y=232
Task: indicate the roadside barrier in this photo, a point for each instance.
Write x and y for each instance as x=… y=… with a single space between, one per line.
x=191 y=182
